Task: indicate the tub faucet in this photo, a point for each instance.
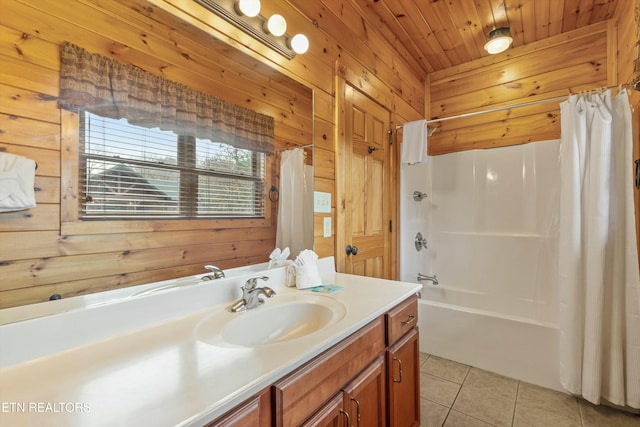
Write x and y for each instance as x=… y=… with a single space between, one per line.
x=216 y=273
x=433 y=279
x=251 y=295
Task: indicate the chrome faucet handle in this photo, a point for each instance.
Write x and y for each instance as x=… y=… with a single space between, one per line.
x=251 y=283
x=217 y=273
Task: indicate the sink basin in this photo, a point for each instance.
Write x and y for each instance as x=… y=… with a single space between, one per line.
x=174 y=284
x=280 y=319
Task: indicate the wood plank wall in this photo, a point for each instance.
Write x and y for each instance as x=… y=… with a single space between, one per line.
x=46 y=250
x=43 y=252
x=583 y=59
x=37 y=255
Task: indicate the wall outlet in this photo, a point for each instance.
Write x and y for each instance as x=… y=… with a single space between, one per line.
x=326 y=230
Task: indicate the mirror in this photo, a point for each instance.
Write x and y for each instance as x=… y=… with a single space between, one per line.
x=153 y=39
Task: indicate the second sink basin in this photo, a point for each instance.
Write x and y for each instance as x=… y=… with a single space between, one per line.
x=281 y=318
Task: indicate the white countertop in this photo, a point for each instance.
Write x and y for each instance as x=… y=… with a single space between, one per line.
x=163 y=375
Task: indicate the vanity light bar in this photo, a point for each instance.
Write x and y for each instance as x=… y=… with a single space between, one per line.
x=254 y=26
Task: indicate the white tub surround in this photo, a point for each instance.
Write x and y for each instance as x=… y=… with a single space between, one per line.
x=490 y=220
x=158 y=372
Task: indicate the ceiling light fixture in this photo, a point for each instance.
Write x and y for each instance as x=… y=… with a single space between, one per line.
x=277 y=25
x=245 y=14
x=499 y=40
x=250 y=8
x=300 y=43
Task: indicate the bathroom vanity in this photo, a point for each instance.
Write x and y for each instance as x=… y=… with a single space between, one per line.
x=178 y=357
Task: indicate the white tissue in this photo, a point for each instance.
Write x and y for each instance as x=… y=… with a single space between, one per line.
x=307 y=274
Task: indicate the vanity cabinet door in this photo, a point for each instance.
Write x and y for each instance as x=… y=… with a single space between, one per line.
x=331 y=414
x=403 y=379
x=256 y=412
x=301 y=393
x=364 y=397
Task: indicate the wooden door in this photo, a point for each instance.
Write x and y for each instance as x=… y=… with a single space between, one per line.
x=363 y=234
x=403 y=379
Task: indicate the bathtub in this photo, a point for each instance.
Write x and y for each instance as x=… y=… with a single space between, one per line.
x=508 y=345
x=490 y=220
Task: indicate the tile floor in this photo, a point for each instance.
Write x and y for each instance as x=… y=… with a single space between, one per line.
x=457 y=395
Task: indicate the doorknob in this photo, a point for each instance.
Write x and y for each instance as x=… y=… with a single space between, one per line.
x=351 y=250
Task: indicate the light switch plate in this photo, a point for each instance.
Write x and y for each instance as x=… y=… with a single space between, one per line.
x=326 y=230
x=321 y=202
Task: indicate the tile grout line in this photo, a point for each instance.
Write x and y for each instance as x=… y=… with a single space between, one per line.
x=457 y=394
x=515 y=404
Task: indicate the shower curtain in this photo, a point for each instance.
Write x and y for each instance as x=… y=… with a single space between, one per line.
x=599 y=284
x=295 y=217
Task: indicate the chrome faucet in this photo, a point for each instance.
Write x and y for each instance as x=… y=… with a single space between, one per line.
x=216 y=273
x=251 y=295
x=433 y=279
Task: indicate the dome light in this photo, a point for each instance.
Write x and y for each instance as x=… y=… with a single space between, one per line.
x=277 y=25
x=300 y=43
x=249 y=8
x=499 y=41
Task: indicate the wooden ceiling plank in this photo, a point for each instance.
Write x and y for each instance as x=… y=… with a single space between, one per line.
x=441 y=24
x=468 y=21
x=485 y=13
x=499 y=12
x=570 y=15
x=586 y=9
x=423 y=34
x=451 y=31
x=556 y=14
x=390 y=27
x=514 y=14
x=603 y=10
x=542 y=20
x=529 y=23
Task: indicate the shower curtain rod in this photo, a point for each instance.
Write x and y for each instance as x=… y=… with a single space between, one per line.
x=635 y=86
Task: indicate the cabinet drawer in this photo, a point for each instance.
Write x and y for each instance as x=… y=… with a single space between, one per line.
x=401 y=319
x=256 y=412
x=300 y=394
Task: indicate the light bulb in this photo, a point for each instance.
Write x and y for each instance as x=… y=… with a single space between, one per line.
x=498 y=45
x=300 y=43
x=277 y=25
x=499 y=40
x=249 y=8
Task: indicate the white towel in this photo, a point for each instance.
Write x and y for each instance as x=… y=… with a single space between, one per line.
x=17 y=176
x=307 y=274
x=414 y=142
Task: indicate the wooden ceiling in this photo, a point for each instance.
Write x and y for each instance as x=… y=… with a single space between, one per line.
x=438 y=34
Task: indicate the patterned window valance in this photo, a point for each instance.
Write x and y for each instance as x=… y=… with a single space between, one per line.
x=105 y=87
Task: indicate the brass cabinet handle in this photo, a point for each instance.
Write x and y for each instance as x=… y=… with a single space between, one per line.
x=395 y=359
x=410 y=319
x=357 y=410
x=347 y=419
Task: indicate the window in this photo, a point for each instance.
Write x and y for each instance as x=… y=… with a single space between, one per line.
x=132 y=172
